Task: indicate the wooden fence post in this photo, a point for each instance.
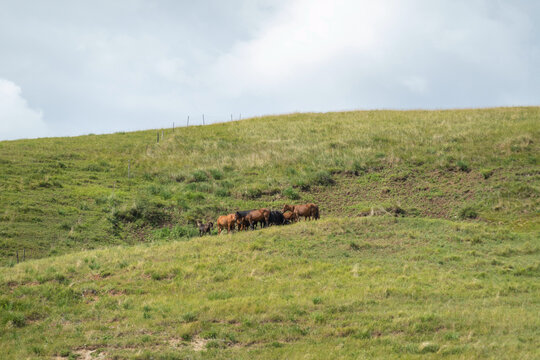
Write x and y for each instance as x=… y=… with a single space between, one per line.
x=203 y=119
x=157 y=136
x=129 y=169
x=17 y=256
x=187 y=121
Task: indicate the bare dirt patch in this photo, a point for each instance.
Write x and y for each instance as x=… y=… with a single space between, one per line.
x=198 y=343
x=87 y=354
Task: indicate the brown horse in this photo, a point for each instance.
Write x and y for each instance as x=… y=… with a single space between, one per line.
x=241 y=220
x=290 y=216
x=226 y=222
x=308 y=211
x=255 y=216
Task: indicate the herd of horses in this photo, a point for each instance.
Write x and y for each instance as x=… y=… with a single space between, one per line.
x=250 y=219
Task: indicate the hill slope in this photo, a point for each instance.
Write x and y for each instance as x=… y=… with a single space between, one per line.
x=380 y=287
x=428 y=244
x=65 y=194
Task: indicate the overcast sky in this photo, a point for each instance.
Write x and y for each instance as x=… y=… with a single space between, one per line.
x=76 y=67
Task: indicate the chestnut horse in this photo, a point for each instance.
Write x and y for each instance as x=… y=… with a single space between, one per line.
x=255 y=216
x=308 y=211
x=290 y=216
x=226 y=222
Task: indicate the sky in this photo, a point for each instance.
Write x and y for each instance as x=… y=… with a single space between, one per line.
x=74 y=67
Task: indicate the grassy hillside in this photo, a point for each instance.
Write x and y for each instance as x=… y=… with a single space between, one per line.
x=64 y=194
x=428 y=245
x=369 y=287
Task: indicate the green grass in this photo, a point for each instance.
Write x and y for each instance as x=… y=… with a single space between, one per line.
x=60 y=195
x=428 y=244
x=366 y=287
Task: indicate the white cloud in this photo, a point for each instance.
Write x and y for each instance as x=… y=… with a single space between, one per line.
x=325 y=55
x=106 y=66
x=17 y=119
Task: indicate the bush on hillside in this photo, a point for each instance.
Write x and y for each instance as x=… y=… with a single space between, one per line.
x=463 y=166
x=486 y=173
x=142 y=212
x=252 y=193
x=216 y=174
x=468 y=212
x=301 y=182
x=199 y=176
x=291 y=193
x=323 y=178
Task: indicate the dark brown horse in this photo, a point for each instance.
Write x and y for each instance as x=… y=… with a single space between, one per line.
x=241 y=220
x=255 y=216
x=204 y=228
x=308 y=211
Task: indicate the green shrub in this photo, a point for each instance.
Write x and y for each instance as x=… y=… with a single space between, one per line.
x=468 y=212
x=216 y=174
x=323 y=178
x=148 y=213
x=463 y=166
x=358 y=167
x=199 y=176
x=252 y=193
x=291 y=193
x=302 y=183
x=184 y=231
x=486 y=173
x=189 y=317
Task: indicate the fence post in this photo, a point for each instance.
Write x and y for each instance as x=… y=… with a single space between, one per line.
x=231 y=117
x=24 y=255
x=157 y=136
x=203 y=119
x=187 y=121
x=129 y=169
x=17 y=256
x=173 y=127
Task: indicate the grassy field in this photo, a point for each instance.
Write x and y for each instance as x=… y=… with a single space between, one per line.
x=365 y=287
x=428 y=244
